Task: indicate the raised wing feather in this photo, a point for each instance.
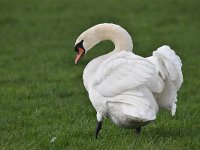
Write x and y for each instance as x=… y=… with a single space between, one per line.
x=169 y=65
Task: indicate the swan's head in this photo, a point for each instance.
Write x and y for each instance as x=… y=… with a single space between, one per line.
x=79 y=48
x=85 y=42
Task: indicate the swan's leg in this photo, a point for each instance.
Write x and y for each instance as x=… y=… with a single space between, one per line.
x=137 y=130
x=98 y=128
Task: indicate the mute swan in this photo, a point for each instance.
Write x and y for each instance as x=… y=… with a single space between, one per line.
x=123 y=86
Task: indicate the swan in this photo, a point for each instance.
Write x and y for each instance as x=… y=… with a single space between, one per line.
x=127 y=88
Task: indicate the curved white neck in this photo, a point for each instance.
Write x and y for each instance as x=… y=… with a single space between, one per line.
x=107 y=31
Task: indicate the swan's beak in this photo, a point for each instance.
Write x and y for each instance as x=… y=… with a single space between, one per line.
x=80 y=54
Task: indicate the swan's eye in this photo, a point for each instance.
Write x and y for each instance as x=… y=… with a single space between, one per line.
x=78 y=45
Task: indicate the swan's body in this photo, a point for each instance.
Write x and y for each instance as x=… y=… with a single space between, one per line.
x=125 y=87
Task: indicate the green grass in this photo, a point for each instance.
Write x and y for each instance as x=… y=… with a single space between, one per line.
x=41 y=90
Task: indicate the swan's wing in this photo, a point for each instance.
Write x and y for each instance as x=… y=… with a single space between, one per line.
x=169 y=66
x=122 y=71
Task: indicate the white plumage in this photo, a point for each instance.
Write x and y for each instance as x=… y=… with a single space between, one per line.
x=125 y=87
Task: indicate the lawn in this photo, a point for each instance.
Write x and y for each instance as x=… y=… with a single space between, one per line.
x=41 y=90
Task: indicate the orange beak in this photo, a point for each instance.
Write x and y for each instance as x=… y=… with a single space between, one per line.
x=81 y=52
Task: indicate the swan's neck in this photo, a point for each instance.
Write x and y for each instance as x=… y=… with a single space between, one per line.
x=115 y=33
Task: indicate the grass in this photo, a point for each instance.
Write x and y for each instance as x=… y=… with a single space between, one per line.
x=41 y=90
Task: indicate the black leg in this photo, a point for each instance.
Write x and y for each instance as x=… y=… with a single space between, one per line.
x=98 y=128
x=137 y=130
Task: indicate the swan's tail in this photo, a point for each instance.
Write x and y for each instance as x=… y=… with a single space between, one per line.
x=169 y=67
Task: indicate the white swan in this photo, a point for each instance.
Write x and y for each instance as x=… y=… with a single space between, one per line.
x=125 y=87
